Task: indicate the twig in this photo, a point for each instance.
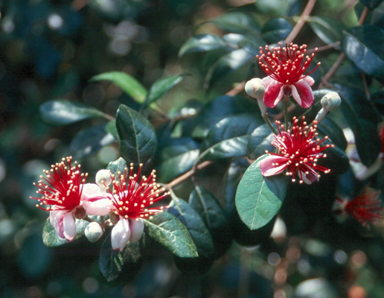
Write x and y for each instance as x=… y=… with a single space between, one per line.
x=238 y=88
x=188 y=174
x=300 y=23
x=326 y=47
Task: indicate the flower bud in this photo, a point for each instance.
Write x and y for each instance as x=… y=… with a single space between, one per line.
x=103 y=179
x=255 y=88
x=79 y=212
x=93 y=232
x=330 y=101
x=114 y=218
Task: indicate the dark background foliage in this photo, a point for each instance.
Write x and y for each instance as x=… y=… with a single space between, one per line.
x=50 y=50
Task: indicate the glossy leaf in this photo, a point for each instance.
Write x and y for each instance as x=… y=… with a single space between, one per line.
x=363 y=119
x=226 y=65
x=327 y=29
x=90 y=140
x=329 y=128
x=167 y=230
x=371 y=4
x=160 y=87
x=125 y=82
x=202 y=43
x=229 y=137
x=137 y=136
x=220 y=108
x=51 y=239
x=122 y=265
x=363 y=46
x=117 y=166
x=237 y=22
x=62 y=112
x=252 y=45
x=336 y=160
x=259 y=198
x=259 y=141
x=111 y=128
x=210 y=210
x=275 y=30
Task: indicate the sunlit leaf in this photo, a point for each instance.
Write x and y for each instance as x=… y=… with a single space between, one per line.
x=237 y=22
x=327 y=29
x=202 y=43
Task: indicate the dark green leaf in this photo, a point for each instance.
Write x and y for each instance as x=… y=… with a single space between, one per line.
x=160 y=87
x=172 y=234
x=363 y=46
x=336 y=160
x=363 y=119
x=229 y=137
x=329 y=128
x=259 y=141
x=226 y=65
x=51 y=239
x=62 y=112
x=117 y=166
x=195 y=226
x=89 y=141
x=137 y=137
x=120 y=265
x=202 y=43
x=237 y=22
x=259 y=198
x=127 y=83
x=327 y=29
x=275 y=30
x=371 y=4
x=210 y=210
x=220 y=108
x=252 y=45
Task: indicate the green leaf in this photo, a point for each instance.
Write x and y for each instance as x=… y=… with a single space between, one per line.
x=111 y=128
x=275 y=30
x=363 y=46
x=137 y=136
x=117 y=166
x=162 y=86
x=120 y=265
x=51 y=239
x=226 y=65
x=176 y=159
x=62 y=112
x=220 y=108
x=371 y=4
x=336 y=160
x=90 y=140
x=195 y=226
x=167 y=230
x=210 y=210
x=229 y=137
x=363 y=119
x=327 y=29
x=124 y=81
x=329 y=128
x=259 y=141
x=259 y=198
x=202 y=43
x=237 y=22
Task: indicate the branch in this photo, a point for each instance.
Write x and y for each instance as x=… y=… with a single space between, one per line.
x=188 y=174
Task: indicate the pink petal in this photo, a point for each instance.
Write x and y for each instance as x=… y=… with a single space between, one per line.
x=69 y=226
x=309 y=80
x=90 y=189
x=267 y=169
x=56 y=219
x=120 y=234
x=273 y=93
x=311 y=177
x=267 y=81
x=98 y=205
x=137 y=228
x=302 y=93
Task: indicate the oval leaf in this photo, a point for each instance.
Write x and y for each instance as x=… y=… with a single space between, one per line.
x=202 y=43
x=275 y=30
x=371 y=4
x=259 y=141
x=62 y=112
x=237 y=22
x=259 y=198
x=117 y=166
x=329 y=128
x=210 y=210
x=137 y=137
x=126 y=82
x=51 y=239
x=167 y=230
x=327 y=29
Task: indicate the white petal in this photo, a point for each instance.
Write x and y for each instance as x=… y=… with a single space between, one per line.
x=99 y=207
x=69 y=226
x=56 y=219
x=137 y=228
x=120 y=234
x=90 y=189
x=309 y=80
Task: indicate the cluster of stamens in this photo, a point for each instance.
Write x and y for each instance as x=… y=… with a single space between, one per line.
x=132 y=195
x=300 y=148
x=61 y=187
x=286 y=65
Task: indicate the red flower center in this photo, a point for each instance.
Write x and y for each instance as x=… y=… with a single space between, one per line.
x=132 y=195
x=300 y=149
x=61 y=188
x=286 y=65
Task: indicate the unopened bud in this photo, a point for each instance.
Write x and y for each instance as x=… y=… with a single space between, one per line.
x=93 y=232
x=330 y=101
x=103 y=178
x=79 y=212
x=255 y=88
